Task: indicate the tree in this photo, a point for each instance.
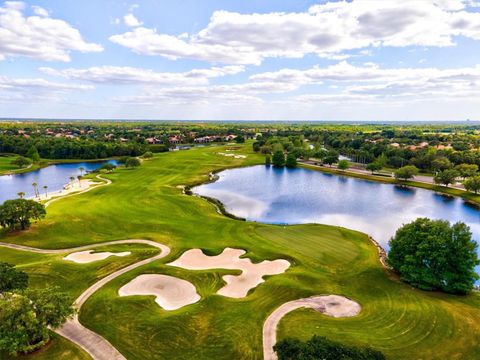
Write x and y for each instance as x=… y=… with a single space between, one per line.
x=11 y=278
x=147 y=155
x=21 y=194
x=45 y=187
x=108 y=167
x=319 y=347
x=35 y=188
x=291 y=161
x=467 y=170
x=21 y=162
x=278 y=159
x=132 y=163
x=20 y=212
x=432 y=255
x=441 y=163
x=240 y=139
x=406 y=172
x=472 y=184
x=82 y=169
x=446 y=177
x=374 y=166
x=26 y=317
x=330 y=159
x=343 y=165
x=268 y=160
x=32 y=153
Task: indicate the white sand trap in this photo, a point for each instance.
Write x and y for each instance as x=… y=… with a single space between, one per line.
x=240 y=156
x=83 y=257
x=171 y=293
x=237 y=285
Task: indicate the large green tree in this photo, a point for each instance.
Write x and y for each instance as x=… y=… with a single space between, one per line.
x=20 y=212
x=21 y=162
x=406 y=172
x=25 y=318
x=291 y=161
x=446 y=177
x=472 y=184
x=32 y=153
x=278 y=159
x=11 y=278
x=432 y=255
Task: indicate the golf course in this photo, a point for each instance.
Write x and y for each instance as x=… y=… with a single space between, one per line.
x=149 y=203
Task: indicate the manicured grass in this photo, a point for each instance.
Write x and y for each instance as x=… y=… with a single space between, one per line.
x=6 y=164
x=146 y=203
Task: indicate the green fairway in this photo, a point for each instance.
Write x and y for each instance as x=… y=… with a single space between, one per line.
x=6 y=164
x=146 y=203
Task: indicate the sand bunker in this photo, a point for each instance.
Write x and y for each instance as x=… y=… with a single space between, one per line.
x=233 y=155
x=171 y=293
x=237 y=285
x=83 y=257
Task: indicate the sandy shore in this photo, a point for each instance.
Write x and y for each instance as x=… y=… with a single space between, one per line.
x=71 y=187
x=237 y=286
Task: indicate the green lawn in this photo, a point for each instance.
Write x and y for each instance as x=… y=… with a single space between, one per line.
x=5 y=164
x=146 y=203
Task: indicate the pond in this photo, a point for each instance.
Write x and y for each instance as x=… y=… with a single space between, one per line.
x=298 y=196
x=53 y=176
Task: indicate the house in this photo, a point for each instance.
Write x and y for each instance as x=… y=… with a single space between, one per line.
x=395 y=145
x=174 y=140
x=204 y=139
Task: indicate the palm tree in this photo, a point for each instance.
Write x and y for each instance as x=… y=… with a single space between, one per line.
x=21 y=194
x=82 y=169
x=45 y=187
x=72 y=180
x=79 y=177
x=35 y=188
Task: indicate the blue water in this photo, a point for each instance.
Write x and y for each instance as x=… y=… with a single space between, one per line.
x=297 y=196
x=53 y=176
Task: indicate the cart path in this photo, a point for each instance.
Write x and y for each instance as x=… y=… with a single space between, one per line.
x=330 y=305
x=94 y=344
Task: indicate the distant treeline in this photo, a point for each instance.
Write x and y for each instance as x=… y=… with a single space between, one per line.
x=60 y=148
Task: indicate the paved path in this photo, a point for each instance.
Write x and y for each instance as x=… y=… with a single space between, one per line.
x=92 y=343
x=331 y=305
x=357 y=170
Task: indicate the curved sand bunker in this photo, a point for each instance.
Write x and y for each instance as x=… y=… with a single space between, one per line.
x=330 y=305
x=233 y=155
x=237 y=285
x=171 y=293
x=84 y=257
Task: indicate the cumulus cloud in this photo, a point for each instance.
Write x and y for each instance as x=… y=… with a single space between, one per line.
x=40 y=36
x=133 y=75
x=326 y=30
x=131 y=20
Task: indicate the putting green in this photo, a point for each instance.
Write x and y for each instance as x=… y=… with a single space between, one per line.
x=146 y=203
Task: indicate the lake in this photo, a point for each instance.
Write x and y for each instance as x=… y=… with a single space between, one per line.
x=53 y=176
x=298 y=196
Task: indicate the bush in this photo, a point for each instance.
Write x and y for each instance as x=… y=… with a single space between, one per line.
x=11 y=278
x=147 y=155
x=132 y=163
x=278 y=159
x=291 y=161
x=432 y=255
x=158 y=148
x=319 y=347
x=21 y=162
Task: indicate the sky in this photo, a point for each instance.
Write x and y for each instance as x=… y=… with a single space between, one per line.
x=240 y=60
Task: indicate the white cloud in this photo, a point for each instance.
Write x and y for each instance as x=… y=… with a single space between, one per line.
x=39 y=37
x=132 y=75
x=131 y=20
x=326 y=30
x=40 y=11
x=12 y=90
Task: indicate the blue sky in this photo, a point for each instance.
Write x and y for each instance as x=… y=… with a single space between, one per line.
x=241 y=60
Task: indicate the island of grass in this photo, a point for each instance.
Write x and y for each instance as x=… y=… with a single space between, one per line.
x=146 y=203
